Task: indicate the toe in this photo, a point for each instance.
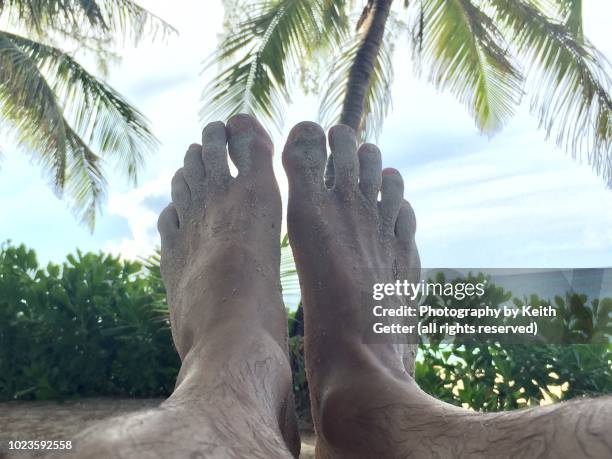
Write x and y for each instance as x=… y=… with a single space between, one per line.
x=304 y=157
x=370 y=175
x=181 y=196
x=391 y=198
x=214 y=152
x=343 y=145
x=168 y=225
x=193 y=171
x=249 y=145
x=405 y=227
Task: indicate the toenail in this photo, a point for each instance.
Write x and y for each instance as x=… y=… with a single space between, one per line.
x=369 y=148
x=241 y=116
x=306 y=130
x=241 y=121
x=338 y=128
x=390 y=171
x=214 y=124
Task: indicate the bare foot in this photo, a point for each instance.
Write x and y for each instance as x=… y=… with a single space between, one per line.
x=365 y=402
x=220 y=264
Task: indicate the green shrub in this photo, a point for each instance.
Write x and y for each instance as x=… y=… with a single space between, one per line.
x=487 y=375
x=93 y=326
x=98 y=326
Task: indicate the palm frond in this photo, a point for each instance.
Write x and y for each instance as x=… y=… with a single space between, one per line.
x=85 y=182
x=569 y=80
x=108 y=122
x=568 y=12
x=259 y=57
x=31 y=109
x=62 y=113
x=466 y=53
x=572 y=11
x=118 y=18
x=378 y=98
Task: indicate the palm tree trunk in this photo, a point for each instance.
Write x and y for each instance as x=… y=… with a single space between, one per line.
x=362 y=70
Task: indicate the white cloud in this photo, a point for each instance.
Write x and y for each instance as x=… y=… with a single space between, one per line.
x=141 y=219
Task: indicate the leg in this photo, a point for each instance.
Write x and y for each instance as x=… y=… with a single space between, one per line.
x=365 y=402
x=220 y=264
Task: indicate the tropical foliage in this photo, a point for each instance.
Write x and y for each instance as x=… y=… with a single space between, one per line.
x=71 y=122
x=93 y=326
x=97 y=325
x=488 y=375
x=488 y=53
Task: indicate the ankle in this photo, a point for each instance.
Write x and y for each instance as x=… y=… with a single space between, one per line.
x=343 y=419
x=225 y=318
x=250 y=363
x=354 y=408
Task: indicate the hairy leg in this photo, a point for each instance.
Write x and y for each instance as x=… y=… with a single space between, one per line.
x=220 y=264
x=365 y=402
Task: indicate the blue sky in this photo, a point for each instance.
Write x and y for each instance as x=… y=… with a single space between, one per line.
x=513 y=200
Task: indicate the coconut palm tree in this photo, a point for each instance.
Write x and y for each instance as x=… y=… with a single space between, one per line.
x=488 y=53
x=72 y=122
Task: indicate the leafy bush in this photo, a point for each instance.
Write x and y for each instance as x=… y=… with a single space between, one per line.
x=99 y=326
x=487 y=375
x=93 y=326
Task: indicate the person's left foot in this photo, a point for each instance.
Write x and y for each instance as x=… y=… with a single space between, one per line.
x=220 y=238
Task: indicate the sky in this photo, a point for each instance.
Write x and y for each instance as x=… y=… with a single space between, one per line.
x=510 y=201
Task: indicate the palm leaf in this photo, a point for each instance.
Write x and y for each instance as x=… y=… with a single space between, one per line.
x=71 y=17
x=466 y=53
x=568 y=12
x=571 y=10
x=61 y=112
x=30 y=107
x=569 y=81
x=110 y=124
x=259 y=57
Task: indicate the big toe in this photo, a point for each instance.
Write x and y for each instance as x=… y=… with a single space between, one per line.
x=304 y=158
x=249 y=145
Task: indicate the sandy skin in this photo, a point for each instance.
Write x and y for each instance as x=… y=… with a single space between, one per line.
x=220 y=263
x=365 y=401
